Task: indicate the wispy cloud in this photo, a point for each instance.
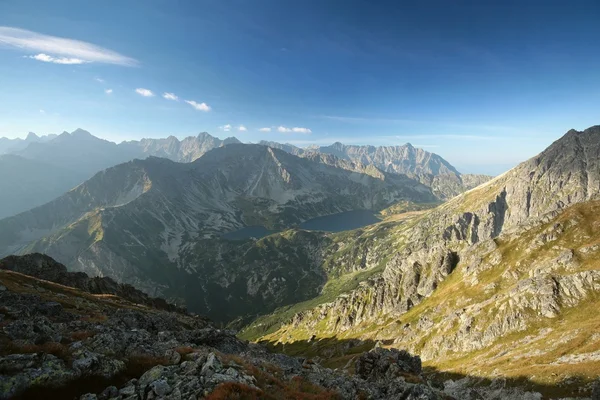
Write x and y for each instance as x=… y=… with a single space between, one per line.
x=99 y=80
x=60 y=50
x=265 y=129
x=57 y=60
x=242 y=128
x=42 y=112
x=170 y=96
x=108 y=91
x=226 y=128
x=199 y=106
x=283 y=129
x=144 y=92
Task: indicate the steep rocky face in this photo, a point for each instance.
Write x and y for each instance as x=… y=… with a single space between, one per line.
x=437 y=249
x=156 y=224
x=428 y=168
x=63 y=342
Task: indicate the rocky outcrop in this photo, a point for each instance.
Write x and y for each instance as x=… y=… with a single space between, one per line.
x=419 y=256
x=59 y=342
x=44 y=267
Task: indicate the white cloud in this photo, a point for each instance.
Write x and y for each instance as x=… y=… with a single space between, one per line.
x=170 y=96
x=42 y=112
x=99 y=80
x=57 y=60
x=265 y=129
x=199 y=106
x=226 y=128
x=283 y=129
x=108 y=91
x=242 y=128
x=301 y=130
x=144 y=92
x=60 y=50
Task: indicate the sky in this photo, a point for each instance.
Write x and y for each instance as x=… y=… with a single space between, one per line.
x=485 y=84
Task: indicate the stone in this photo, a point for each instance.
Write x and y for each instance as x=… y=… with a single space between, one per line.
x=161 y=387
x=172 y=356
x=211 y=365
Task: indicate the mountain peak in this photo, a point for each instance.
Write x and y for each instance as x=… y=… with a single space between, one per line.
x=31 y=137
x=205 y=135
x=81 y=133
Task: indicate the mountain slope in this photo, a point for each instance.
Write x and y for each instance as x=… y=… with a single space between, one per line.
x=459 y=279
x=44 y=168
x=68 y=342
x=428 y=168
x=155 y=223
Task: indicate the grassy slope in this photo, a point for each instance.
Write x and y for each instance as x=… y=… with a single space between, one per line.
x=535 y=351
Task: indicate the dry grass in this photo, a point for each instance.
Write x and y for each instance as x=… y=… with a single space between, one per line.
x=57 y=349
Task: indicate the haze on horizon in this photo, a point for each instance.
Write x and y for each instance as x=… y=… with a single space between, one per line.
x=483 y=85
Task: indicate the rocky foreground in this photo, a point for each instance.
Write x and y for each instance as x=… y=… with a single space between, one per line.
x=63 y=342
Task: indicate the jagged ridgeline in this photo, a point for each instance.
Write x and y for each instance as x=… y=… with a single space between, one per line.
x=502 y=280
x=158 y=225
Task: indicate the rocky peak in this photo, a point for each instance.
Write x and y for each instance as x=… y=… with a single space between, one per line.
x=32 y=137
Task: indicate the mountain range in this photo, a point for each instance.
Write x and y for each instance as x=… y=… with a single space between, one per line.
x=12 y=145
x=496 y=285
x=51 y=165
x=428 y=168
x=151 y=222
x=498 y=281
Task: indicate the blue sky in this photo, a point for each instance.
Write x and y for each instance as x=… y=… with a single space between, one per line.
x=484 y=84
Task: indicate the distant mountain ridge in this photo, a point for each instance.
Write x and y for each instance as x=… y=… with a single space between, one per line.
x=44 y=168
x=428 y=168
x=79 y=155
x=12 y=145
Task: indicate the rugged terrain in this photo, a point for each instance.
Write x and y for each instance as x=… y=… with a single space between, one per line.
x=47 y=167
x=63 y=342
x=428 y=168
x=157 y=224
x=499 y=281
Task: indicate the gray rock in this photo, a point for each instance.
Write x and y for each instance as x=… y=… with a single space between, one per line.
x=173 y=357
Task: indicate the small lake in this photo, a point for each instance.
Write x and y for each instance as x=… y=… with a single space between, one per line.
x=338 y=222
x=343 y=221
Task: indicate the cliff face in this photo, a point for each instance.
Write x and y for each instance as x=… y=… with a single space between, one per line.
x=478 y=250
